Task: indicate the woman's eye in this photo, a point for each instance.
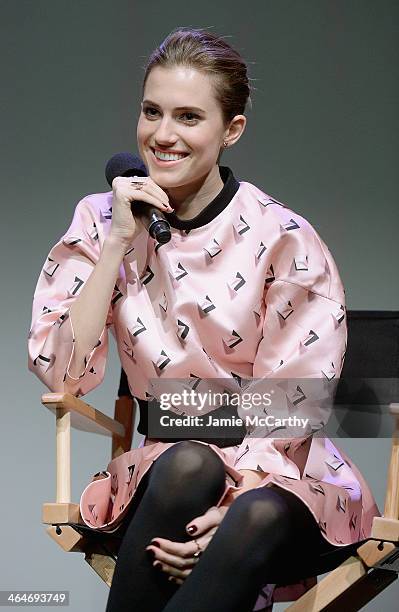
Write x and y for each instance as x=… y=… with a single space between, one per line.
x=193 y=116
x=151 y=112
x=147 y=110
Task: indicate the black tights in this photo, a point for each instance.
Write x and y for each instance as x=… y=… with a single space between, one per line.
x=266 y=536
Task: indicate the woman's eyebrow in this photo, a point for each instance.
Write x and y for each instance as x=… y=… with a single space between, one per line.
x=194 y=108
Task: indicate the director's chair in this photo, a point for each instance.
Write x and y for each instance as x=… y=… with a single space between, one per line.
x=358 y=572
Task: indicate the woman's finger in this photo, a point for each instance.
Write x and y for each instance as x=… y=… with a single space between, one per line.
x=179 y=561
x=172 y=571
x=181 y=549
x=212 y=518
x=149 y=186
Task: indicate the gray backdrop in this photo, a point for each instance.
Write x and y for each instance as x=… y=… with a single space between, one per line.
x=322 y=137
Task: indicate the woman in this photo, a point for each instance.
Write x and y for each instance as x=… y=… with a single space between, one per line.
x=245 y=290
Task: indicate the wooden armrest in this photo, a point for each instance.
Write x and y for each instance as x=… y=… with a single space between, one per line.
x=394 y=409
x=83 y=416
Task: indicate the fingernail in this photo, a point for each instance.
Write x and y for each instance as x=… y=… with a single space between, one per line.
x=171 y=579
x=155 y=543
x=157 y=565
x=191 y=529
x=150 y=553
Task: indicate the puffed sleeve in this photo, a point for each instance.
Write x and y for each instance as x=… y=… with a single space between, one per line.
x=51 y=336
x=304 y=337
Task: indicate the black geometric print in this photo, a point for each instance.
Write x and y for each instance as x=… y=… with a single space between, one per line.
x=238 y=282
x=116 y=295
x=193 y=384
x=341 y=504
x=78 y=282
x=269 y=275
x=162 y=361
x=179 y=272
x=242 y=383
x=323 y=526
x=335 y=462
x=296 y=396
x=261 y=249
x=50 y=266
x=329 y=374
x=285 y=310
x=92 y=511
x=94 y=233
x=340 y=314
x=232 y=340
x=316 y=488
x=138 y=328
x=301 y=262
x=265 y=200
x=128 y=350
x=44 y=362
x=61 y=319
x=130 y=471
x=164 y=303
x=147 y=276
x=71 y=240
x=237 y=459
x=183 y=329
x=207 y=305
x=312 y=337
x=242 y=226
x=107 y=214
x=291 y=225
x=213 y=249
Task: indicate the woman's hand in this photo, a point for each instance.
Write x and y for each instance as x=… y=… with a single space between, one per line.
x=127 y=190
x=179 y=558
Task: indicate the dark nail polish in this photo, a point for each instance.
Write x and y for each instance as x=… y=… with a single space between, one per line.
x=156 y=544
x=157 y=566
x=151 y=554
x=192 y=529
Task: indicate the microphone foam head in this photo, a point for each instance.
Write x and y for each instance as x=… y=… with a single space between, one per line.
x=124 y=164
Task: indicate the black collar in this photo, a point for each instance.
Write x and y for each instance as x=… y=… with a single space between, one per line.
x=223 y=198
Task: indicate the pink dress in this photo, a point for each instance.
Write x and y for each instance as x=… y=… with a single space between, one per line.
x=244 y=291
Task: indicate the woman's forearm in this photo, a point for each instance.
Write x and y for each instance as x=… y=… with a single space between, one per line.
x=89 y=310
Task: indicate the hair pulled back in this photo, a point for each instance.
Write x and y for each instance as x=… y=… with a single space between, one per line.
x=210 y=54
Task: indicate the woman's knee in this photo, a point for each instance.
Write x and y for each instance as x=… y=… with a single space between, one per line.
x=187 y=464
x=261 y=513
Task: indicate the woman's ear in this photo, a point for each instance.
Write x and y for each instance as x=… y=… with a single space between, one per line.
x=235 y=129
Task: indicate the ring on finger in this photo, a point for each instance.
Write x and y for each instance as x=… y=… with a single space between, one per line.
x=138 y=181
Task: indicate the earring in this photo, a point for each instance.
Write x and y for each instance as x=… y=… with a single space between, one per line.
x=225 y=144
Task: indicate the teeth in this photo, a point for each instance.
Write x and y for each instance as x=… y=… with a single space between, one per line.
x=168 y=156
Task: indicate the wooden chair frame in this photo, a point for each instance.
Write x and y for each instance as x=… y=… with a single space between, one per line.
x=348 y=587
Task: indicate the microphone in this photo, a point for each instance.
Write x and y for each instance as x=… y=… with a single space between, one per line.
x=127 y=164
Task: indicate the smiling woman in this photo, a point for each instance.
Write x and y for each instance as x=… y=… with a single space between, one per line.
x=246 y=289
x=181 y=132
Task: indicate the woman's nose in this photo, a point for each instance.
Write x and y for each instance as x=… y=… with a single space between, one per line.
x=165 y=133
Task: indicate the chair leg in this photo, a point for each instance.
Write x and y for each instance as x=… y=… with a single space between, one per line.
x=363 y=591
x=103 y=565
x=349 y=587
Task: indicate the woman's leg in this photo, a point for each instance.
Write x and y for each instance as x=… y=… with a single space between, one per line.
x=186 y=480
x=267 y=535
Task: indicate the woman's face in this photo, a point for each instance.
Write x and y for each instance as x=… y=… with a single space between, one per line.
x=179 y=114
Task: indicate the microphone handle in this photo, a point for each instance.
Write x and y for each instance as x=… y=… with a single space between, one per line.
x=153 y=220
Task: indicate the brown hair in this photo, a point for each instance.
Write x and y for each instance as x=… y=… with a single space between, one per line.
x=204 y=51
